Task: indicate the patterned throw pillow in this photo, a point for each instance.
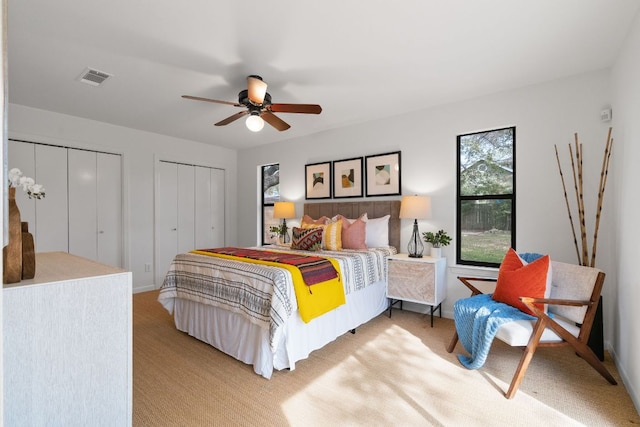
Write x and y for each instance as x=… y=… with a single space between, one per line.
x=517 y=279
x=306 y=239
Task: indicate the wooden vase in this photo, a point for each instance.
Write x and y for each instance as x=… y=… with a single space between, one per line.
x=28 y=253
x=12 y=253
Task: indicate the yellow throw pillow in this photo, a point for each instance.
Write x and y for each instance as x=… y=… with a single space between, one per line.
x=333 y=236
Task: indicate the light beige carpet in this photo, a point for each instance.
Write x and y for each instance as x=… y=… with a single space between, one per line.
x=393 y=371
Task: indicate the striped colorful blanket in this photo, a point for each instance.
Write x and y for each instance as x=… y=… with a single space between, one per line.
x=321 y=273
x=313 y=269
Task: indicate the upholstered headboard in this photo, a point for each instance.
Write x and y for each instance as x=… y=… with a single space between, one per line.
x=355 y=209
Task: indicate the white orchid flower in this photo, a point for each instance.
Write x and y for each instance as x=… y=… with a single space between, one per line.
x=14 y=177
x=26 y=182
x=33 y=190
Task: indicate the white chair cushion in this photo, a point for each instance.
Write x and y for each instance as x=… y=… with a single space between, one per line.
x=518 y=332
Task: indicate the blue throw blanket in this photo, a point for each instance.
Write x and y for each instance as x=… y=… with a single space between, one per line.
x=477 y=320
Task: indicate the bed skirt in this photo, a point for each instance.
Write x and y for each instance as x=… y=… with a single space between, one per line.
x=232 y=334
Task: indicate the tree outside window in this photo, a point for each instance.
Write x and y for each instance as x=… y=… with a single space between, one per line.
x=486 y=197
x=270 y=195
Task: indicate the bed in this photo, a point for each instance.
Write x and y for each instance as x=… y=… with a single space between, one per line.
x=264 y=328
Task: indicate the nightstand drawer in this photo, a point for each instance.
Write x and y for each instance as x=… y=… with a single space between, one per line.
x=412 y=281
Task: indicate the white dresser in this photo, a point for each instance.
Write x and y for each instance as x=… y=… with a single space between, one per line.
x=68 y=345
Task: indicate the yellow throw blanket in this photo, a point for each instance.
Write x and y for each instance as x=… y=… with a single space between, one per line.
x=313 y=301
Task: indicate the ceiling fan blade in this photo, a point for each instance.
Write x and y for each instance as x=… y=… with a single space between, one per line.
x=296 y=108
x=257 y=88
x=274 y=121
x=233 y=118
x=197 y=98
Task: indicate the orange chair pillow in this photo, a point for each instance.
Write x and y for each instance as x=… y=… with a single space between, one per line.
x=517 y=279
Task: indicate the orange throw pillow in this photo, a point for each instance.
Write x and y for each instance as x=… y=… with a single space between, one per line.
x=515 y=280
x=308 y=222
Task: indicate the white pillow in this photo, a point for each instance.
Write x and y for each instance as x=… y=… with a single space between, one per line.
x=378 y=232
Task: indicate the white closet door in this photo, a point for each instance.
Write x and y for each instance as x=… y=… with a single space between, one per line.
x=21 y=155
x=218 y=207
x=52 y=212
x=75 y=181
x=109 y=190
x=209 y=207
x=189 y=211
x=186 y=208
x=166 y=217
x=83 y=225
x=203 y=224
x=47 y=217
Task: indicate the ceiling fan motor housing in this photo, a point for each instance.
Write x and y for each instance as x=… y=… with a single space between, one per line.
x=243 y=98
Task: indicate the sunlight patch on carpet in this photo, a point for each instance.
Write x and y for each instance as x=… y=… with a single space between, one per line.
x=378 y=382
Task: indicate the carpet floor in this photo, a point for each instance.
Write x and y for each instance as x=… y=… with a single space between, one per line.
x=392 y=371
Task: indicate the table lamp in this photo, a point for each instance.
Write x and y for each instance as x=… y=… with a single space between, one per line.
x=416 y=207
x=284 y=210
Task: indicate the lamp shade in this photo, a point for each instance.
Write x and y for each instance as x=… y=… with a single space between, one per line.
x=256 y=89
x=284 y=210
x=415 y=207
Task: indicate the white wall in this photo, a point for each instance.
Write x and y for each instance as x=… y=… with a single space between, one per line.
x=626 y=316
x=544 y=115
x=140 y=150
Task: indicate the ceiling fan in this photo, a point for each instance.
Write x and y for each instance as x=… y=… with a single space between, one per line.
x=259 y=107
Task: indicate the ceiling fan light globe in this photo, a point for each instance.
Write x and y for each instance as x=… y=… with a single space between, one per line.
x=254 y=123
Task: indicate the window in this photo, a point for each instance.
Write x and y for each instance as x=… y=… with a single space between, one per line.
x=270 y=194
x=486 y=208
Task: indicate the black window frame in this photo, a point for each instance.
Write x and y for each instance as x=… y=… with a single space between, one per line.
x=264 y=205
x=460 y=199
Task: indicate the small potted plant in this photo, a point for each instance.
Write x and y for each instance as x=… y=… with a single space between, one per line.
x=437 y=240
x=279 y=231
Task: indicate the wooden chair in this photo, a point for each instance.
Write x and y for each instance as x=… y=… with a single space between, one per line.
x=575 y=293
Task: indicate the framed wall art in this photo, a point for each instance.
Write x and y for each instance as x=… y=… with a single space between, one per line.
x=347 y=178
x=383 y=174
x=317 y=180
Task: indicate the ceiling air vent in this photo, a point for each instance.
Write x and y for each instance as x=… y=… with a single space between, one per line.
x=93 y=77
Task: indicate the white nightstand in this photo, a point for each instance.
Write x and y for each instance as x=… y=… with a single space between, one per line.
x=421 y=280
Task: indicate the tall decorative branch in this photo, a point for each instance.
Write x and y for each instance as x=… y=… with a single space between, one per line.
x=583 y=255
x=583 y=225
x=576 y=178
x=604 y=173
x=566 y=199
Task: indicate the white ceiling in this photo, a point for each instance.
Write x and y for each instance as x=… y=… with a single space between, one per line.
x=360 y=60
